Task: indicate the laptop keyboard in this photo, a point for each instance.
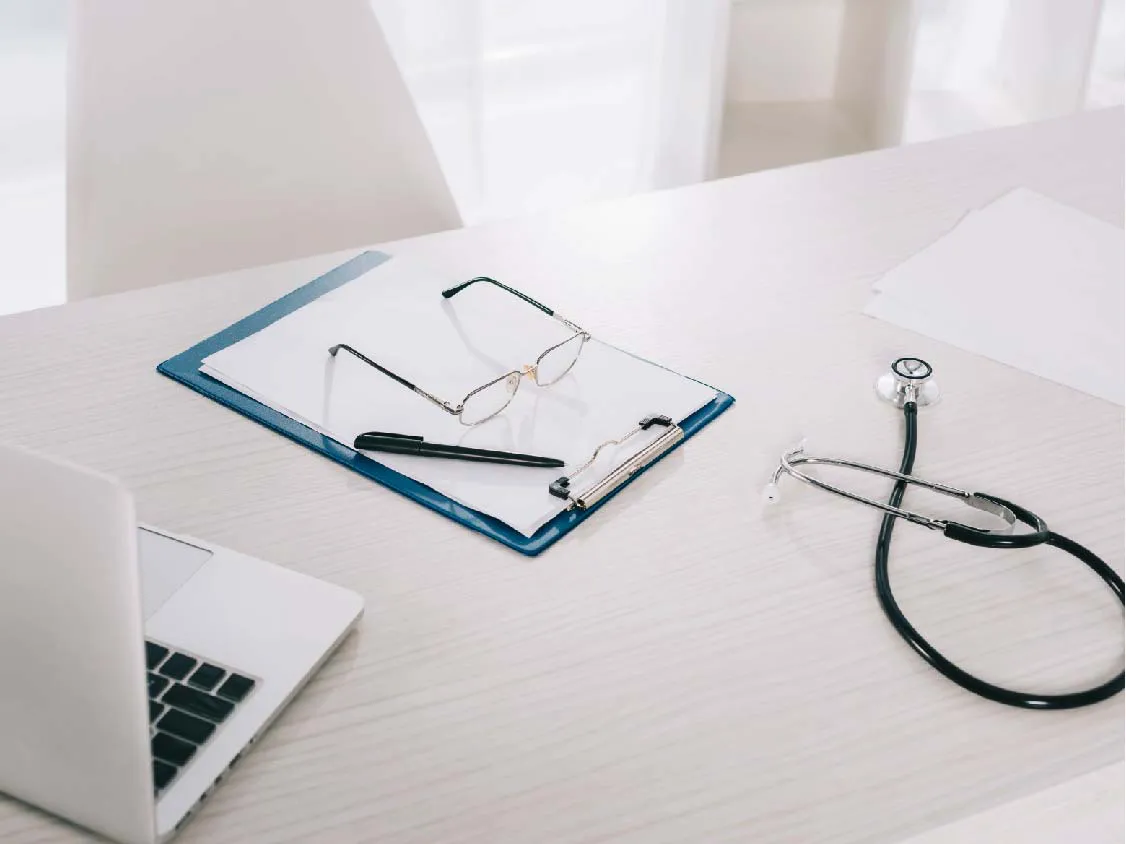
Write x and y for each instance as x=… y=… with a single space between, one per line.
x=188 y=699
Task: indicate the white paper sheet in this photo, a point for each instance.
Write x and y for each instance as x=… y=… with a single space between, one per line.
x=1025 y=281
x=395 y=315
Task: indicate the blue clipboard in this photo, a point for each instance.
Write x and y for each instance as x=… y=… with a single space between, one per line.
x=184 y=368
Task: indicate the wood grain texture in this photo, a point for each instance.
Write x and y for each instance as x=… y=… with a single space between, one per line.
x=684 y=667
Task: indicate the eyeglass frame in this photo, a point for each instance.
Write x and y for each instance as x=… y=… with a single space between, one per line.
x=530 y=371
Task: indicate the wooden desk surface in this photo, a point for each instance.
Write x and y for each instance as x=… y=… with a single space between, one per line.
x=685 y=667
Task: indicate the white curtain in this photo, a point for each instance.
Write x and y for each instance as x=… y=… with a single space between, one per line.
x=985 y=63
x=32 y=140
x=536 y=104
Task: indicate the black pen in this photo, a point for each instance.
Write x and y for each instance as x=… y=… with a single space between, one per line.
x=408 y=444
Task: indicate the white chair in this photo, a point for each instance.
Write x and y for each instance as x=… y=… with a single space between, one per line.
x=210 y=135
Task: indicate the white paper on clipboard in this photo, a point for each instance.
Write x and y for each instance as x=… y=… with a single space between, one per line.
x=395 y=315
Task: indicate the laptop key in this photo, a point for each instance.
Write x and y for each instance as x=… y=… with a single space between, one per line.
x=157 y=684
x=171 y=749
x=206 y=677
x=155 y=708
x=154 y=654
x=198 y=703
x=186 y=726
x=177 y=666
x=162 y=773
x=236 y=688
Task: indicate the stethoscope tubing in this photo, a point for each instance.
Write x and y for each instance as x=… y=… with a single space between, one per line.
x=990 y=691
x=907 y=389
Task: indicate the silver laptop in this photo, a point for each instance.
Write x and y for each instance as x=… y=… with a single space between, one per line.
x=136 y=667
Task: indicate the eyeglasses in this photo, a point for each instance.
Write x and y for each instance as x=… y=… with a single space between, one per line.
x=492 y=398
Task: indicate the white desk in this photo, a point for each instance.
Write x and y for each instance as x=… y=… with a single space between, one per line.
x=684 y=667
x=1081 y=810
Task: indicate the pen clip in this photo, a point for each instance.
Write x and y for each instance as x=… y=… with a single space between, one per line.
x=410 y=437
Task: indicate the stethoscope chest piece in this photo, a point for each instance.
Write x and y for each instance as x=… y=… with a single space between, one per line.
x=909 y=379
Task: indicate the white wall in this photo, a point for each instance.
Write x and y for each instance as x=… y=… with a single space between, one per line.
x=874 y=72
x=783 y=50
x=807 y=77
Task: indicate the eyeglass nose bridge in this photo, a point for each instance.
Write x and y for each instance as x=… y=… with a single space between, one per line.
x=530 y=370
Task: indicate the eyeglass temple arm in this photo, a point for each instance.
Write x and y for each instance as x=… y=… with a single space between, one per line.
x=444 y=405
x=453 y=291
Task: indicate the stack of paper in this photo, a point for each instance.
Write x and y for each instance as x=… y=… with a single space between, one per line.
x=1025 y=281
x=396 y=316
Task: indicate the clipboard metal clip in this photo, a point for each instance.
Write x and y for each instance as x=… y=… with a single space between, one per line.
x=561 y=487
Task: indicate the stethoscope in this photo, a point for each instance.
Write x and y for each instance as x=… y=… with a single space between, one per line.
x=909 y=386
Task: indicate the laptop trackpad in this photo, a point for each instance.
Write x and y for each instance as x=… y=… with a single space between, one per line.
x=166 y=565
